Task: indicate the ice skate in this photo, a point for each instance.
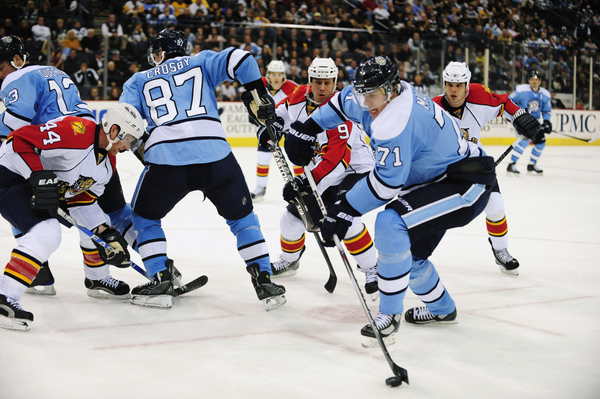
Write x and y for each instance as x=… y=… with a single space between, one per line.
x=533 y=167
x=157 y=293
x=507 y=263
x=512 y=168
x=270 y=293
x=13 y=316
x=421 y=315
x=43 y=283
x=371 y=286
x=107 y=288
x=258 y=194
x=387 y=326
x=283 y=268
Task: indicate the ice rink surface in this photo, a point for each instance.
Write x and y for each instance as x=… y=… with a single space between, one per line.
x=532 y=336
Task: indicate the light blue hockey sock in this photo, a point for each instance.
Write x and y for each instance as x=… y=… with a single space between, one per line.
x=427 y=285
x=251 y=244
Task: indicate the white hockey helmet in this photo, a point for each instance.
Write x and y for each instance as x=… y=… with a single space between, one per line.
x=457 y=72
x=130 y=122
x=277 y=67
x=323 y=68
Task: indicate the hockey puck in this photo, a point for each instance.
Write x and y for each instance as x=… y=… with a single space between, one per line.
x=393 y=381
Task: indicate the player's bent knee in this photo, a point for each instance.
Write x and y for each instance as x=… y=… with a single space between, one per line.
x=391 y=234
x=42 y=239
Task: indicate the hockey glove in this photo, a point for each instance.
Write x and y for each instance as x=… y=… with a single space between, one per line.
x=546 y=127
x=526 y=124
x=119 y=256
x=289 y=194
x=276 y=130
x=338 y=220
x=45 y=192
x=301 y=142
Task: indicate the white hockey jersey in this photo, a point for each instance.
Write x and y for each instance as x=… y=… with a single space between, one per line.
x=340 y=151
x=70 y=148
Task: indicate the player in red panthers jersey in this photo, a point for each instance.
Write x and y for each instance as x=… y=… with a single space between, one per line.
x=473 y=105
x=279 y=88
x=64 y=163
x=342 y=159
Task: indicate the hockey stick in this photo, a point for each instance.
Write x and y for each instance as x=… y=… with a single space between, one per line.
x=400 y=374
x=590 y=140
x=508 y=150
x=182 y=289
x=287 y=175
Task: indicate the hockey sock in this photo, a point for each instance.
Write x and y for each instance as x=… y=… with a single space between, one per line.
x=298 y=170
x=536 y=152
x=22 y=267
x=518 y=150
x=393 y=244
x=93 y=266
x=251 y=244
x=427 y=285
x=362 y=249
x=497 y=231
x=291 y=248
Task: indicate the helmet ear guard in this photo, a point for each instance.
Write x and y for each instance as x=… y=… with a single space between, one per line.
x=11 y=46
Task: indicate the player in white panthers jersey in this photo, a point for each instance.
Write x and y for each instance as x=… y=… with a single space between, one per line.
x=342 y=158
x=64 y=163
x=474 y=105
x=279 y=88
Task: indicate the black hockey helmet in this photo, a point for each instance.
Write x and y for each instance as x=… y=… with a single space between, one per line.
x=11 y=46
x=374 y=72
x=172 y=42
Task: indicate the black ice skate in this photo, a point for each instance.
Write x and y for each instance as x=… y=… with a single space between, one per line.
x=387 y=325
x=533 y=167
x=157 y=293
x=371 y=286
x=107 y=288
x=258 y=194
x=507 y=263
x=283 y=268
x=421 y=315
x=512 y=168
x=270 y=293
x=13 y=316
x=43 y=283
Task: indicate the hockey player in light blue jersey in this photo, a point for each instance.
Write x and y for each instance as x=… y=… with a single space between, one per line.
x=187 y=151
x=424 y=160
x=539 y=103
x=38 y=94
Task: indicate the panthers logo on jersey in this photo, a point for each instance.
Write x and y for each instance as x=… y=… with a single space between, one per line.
x=534 y=105
x=82 y=184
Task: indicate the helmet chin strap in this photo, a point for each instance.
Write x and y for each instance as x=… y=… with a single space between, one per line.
x=111 y=142
x=22 y=65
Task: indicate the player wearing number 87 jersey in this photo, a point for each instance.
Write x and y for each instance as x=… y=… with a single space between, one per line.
x=187 y=151
x=423 y=159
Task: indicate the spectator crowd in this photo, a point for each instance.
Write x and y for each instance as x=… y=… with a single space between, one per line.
x=420 y=35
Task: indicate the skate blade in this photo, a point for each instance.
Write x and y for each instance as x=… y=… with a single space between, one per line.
x=15 y=324
x=369 y=342
x=42 y=290
x=287 y=273
x=513 y=272
x=101 y=294
x=274 y=302
x=374 y=296
x=157 y=301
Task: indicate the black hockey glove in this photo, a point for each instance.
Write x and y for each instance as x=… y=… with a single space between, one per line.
x=338 y=220
x=289 y=194
x=526 y=124
x=263 y=112
x=45 y=192
x=119 y=256
x=546 y=127
x=301 y=142
x=277 y=130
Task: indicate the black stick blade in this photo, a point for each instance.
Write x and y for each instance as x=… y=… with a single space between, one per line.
x=331 y=283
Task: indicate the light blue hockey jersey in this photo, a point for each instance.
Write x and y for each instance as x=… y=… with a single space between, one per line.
x=178 y=100
x=36 y=94
x=538 y=103
x=414 y=138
